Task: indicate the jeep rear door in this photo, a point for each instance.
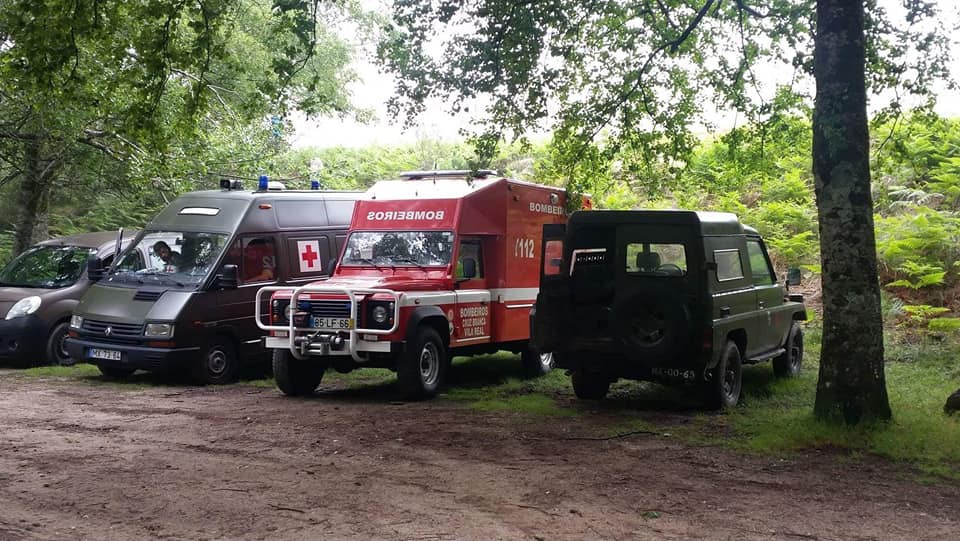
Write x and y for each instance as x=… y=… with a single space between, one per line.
x=548 y=315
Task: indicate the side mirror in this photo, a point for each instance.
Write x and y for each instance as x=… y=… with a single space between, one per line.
x=793 y=276
x=95 y=270
x=469 y=268
x=229 y=277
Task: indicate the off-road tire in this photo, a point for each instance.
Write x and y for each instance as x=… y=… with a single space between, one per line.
x=723 y=390
x=589 y=385
x=295 y=377
x=422 y=367
x=534 y=363
x=652 y=324
x=790 y=362
x=218 y=363
x=56 y=350
x=115 y=372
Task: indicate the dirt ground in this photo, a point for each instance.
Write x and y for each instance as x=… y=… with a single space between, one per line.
x=103 y=461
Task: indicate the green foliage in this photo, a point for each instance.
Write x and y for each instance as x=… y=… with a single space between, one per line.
x=919 y=314
x=158 y=96
x=944 y=324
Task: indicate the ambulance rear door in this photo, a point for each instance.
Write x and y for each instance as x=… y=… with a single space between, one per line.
x=549 y=314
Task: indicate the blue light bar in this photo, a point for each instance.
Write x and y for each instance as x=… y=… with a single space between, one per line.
x=263 y=184
x=314 y=184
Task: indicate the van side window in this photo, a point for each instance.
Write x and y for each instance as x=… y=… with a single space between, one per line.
x=255 y=257
x=759 y=265
x=470 y=249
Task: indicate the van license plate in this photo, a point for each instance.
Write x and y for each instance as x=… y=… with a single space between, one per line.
x=332 y=323
x=107 y=354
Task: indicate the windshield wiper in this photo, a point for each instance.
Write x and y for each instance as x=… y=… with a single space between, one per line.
x=411 y=260
x=161 y=276
x=368 y=261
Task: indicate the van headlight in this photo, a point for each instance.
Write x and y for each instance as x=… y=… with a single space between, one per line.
x=24 y=307
x=76 y=322
x=158 y=330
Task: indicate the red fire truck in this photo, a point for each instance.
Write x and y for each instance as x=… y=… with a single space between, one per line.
x=435 y=264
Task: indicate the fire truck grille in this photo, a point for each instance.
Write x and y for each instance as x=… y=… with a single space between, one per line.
x=117 y=330
x=340 y=309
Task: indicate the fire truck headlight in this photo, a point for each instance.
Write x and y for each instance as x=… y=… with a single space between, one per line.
x=288 y=312
x=380 y=314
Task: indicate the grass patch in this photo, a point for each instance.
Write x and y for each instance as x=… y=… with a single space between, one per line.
x=495 y=383
x=81 y=370
x=777 y=415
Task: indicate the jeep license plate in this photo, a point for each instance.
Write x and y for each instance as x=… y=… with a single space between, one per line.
x=107 y=354
x=332 y=323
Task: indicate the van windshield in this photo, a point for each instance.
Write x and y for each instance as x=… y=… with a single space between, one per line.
x=48 y=267
x=398 y=248
x=175 y=258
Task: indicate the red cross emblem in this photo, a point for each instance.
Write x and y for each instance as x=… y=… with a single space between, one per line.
x=309 y=255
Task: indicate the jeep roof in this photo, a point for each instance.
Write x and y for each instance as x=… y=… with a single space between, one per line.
x=709 y=223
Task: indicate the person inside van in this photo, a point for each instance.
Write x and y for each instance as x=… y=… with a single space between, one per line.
x=258 y=261
x=170 y=258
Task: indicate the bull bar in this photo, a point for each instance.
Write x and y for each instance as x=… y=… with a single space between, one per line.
x=302 y=346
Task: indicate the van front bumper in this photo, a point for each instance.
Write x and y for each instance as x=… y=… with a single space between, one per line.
x=23 y=340
x=133 y=356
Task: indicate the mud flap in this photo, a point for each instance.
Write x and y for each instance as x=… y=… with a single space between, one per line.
x=550 y=312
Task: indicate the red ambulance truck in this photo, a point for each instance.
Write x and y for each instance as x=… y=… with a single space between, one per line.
x=435 y=264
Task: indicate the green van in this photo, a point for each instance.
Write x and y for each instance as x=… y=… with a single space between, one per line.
x=188 y=304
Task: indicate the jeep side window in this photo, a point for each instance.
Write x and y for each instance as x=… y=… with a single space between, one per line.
x=759 y=265
x=656 y=259
x=729 y=266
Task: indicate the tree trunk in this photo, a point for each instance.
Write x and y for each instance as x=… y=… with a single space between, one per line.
x=851 y=387
x=34 y=197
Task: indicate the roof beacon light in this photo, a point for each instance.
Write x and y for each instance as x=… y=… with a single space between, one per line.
x=314 y=184
x=263 y=184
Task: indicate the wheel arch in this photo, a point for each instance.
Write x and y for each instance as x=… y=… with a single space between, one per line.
x=739 y=337
x=432 y=316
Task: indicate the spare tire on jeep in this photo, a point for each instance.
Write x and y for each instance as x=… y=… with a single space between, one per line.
x=652 y=323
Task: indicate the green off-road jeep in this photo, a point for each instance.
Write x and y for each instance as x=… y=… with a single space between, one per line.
x=669 y=296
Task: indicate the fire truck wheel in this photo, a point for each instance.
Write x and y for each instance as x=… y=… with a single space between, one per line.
x=589 y=385
x=218 y=364
x=423 y=366
x=295 y=377
x=536 y=364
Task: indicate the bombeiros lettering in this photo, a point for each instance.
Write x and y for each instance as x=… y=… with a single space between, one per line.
x=546 y=209
x=400 y=215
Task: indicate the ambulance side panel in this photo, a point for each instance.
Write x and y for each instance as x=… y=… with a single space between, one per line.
x=528 y=208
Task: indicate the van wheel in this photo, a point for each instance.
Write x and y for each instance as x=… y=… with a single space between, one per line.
x=115 y=372
x=57 y=345
x=589 y=385
x=218 y=364
x=788 y=364
x=423 y=366
x=535 y=364
x=723 y=391
x=295 y=377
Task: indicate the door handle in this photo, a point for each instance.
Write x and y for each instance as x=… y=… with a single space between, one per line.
x=761 y=304
x=724 y=311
